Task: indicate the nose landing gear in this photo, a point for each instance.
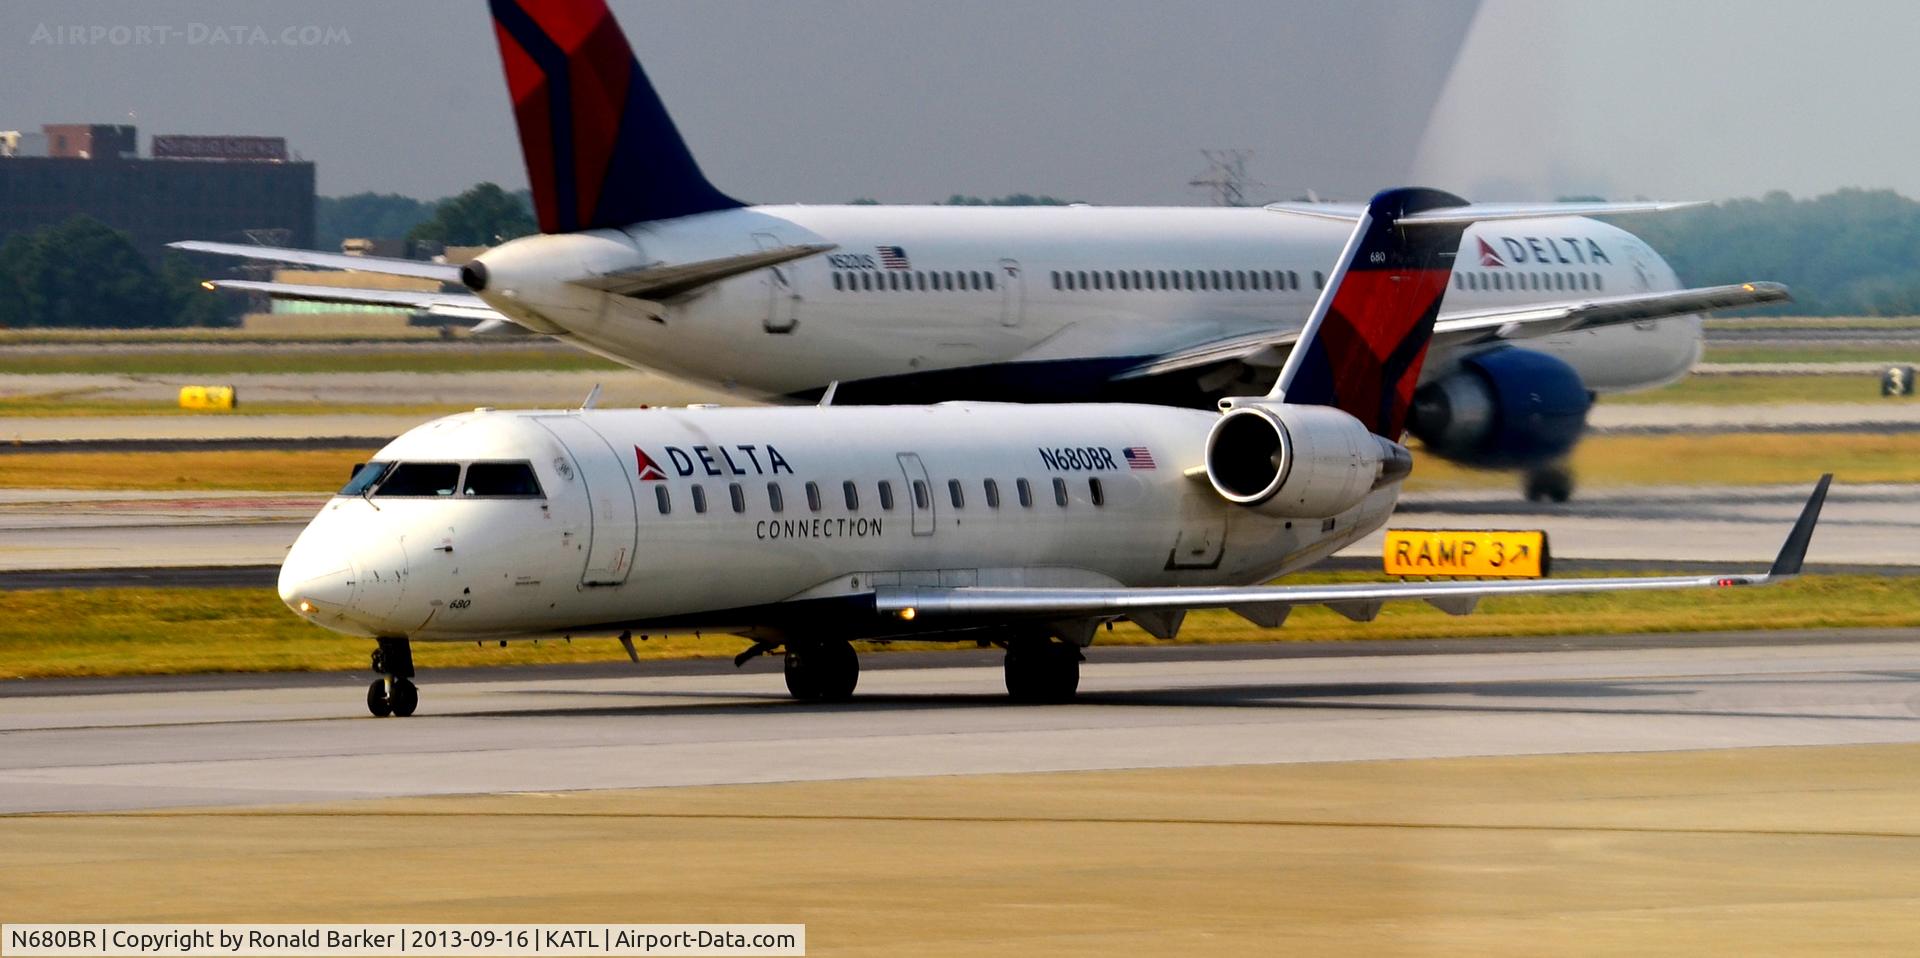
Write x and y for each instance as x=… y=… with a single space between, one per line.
x=395 y=694
x=1549 y=483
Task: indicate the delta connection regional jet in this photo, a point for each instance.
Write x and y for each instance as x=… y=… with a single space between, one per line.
x=642 y=260
x=1027 y=526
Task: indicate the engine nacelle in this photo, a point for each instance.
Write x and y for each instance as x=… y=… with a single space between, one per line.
x=1502 y=408
x=1301 y=462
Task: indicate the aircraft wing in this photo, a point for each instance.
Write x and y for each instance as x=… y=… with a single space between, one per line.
x=454 y=305
x=1545 y=319
x=1159 y=610
x=1456 y=328
x=307 y=257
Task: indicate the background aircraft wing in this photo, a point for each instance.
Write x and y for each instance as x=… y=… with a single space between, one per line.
x=454 y=305
x=308 y=257
x=1159 y=609
x=1457 y=328
x=1545 y=319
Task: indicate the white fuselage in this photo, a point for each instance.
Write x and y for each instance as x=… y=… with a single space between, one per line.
x=615 y=537
x=988 y=292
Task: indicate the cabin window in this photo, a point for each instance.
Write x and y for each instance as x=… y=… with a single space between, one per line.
x=1060 y=492
x=1083 y=280
x=1125 y=281
x=1240 y=277
x=1148 y=276
x=955 y=493
x=852 y=494
x=421 y=479
x=1110 y=283
x=836 y=281
x=774 y=499
x=1185 y=279
x=893 y=281
x=738 y=495
x=1293 y=279
x=1319 y=280
x=920 y=281
x=661 y=499
x=922 y=499
x=886 y=495
x=1459 y=281
x=989 y=278
x=1096 y=492
x=813 y=496
x=993 y=494
x=1599 y=281
x=1025 y=491
x=699 y=498
x=501 y=480
x=1056 y=279
x=364 y=476
x=866 y=281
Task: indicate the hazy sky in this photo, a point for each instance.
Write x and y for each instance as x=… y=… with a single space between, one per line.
x=1102 y=100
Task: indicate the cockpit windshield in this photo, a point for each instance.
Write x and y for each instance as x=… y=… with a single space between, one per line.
x=422 y=480
x=513 y=480
x=417 y=479
x=364 y=476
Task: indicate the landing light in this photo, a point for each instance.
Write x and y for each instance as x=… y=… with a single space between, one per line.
x=207 y=284
x=908 y=613
x=306 y=608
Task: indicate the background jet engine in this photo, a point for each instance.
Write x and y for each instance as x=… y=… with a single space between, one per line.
x=1502 y=409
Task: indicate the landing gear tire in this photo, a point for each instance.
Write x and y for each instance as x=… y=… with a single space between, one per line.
x=377 y=699
x=822 y=671
x=1043 y=672
x=1552 y=484
x=404 y=697
x=395 y=694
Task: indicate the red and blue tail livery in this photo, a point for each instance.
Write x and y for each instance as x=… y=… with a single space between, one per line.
x=1362 y=349
x=601 y=151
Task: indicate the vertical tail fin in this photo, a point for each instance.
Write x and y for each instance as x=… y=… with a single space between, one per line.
x=1365 y=341
x=601 y=151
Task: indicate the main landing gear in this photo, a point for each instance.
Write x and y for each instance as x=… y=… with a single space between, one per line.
x=395 y=694
x=822 y=671
x=1549 y=483
x=1043 y=671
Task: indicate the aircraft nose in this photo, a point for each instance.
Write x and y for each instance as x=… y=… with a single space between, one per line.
x=315 y=588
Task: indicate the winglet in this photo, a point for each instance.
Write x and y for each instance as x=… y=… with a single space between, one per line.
x=1794 y=551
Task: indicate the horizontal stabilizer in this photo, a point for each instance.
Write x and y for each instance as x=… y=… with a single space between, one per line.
x=307 y=257
x=658 y=281
x=452 y=305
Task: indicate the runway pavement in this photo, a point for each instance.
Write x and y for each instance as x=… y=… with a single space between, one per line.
x=157 y=747
x=1864 y=525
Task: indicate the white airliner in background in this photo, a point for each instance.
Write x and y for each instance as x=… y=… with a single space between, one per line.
x=643 y=260
x=1026 y=526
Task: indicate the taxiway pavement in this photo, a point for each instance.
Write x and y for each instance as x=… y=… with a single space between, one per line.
x=1164 y=708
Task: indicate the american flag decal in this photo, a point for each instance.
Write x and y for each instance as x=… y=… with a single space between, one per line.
x=893 y=257
x=1137 y=457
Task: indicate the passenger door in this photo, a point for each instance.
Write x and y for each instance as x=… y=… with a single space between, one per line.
x=919 y=493
x=1013 y=293
x=602 y=473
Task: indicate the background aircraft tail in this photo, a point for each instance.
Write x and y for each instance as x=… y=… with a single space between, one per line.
x=1363 y=345
x=601 y=151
